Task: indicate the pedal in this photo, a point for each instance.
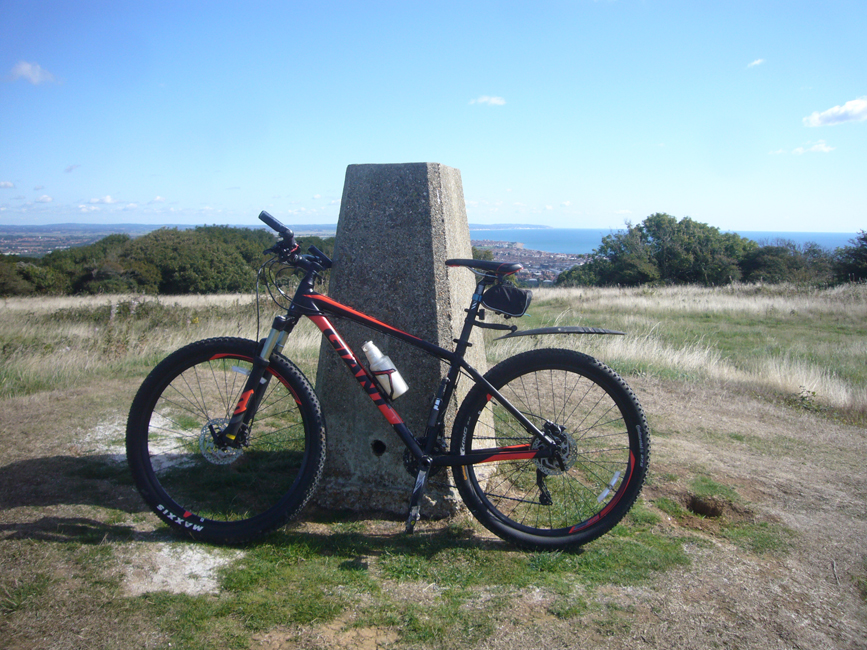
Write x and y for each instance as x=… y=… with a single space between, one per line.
x=412 y=518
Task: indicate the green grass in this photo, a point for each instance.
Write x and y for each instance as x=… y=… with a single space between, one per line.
x=443 y=588
x=704 y=487
x=762 y=538
x=18 y=595
x=671 y=507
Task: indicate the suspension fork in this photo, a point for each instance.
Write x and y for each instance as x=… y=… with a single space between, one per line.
x=235 y=433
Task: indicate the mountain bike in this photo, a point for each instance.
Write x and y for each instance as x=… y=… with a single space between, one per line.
x=226 y=436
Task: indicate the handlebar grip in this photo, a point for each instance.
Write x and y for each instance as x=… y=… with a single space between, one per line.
x=276 y=225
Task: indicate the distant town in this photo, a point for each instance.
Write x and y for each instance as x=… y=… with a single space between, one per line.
x=540 y=267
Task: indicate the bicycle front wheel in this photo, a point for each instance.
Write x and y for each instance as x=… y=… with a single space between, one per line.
x=224 y=495
x=602 y=441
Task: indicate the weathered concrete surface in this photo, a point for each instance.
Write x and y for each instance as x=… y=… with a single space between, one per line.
x=398 y=224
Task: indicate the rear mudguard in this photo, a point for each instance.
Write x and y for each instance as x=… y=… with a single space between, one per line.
x=575 y=329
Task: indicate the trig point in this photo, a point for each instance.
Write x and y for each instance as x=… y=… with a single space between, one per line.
x=398 y=225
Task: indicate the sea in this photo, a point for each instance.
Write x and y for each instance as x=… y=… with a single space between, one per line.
x=577 y=241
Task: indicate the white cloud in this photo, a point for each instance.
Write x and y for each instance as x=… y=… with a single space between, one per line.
x=777 y=152
x=6 y=184
x=490 y=101
x=44 y=199
x=71 y=168
x=819 y=147
x=106 y=199
x=32 y=72
x=317 y=196
x=852 y=111
x=755 y=63
x=549 y=207
x=157 y=199
x=566 y=204
x=38 y=187
x=88 y=208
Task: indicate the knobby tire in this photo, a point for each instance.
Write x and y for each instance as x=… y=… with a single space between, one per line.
x=603 y=439
x=232 y=495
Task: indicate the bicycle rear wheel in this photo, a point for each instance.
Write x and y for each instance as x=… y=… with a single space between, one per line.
x=602 y=438
x=231 y=495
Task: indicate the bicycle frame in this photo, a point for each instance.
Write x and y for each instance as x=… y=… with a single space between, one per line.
x=318 y=307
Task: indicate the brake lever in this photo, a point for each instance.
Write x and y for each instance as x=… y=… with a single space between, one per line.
x=281 y=249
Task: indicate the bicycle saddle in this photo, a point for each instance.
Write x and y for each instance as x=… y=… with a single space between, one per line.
x=500 y=268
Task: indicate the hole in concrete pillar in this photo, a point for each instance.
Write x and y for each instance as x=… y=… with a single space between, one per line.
x=378 y=447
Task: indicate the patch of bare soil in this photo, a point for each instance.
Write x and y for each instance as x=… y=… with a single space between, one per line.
x=337 y=634
x=175 y=567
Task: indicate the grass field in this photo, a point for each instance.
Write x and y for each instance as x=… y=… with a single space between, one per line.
x=749 y=532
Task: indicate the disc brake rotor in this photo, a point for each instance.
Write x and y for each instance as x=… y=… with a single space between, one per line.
x=210 y=451
x=565 y=447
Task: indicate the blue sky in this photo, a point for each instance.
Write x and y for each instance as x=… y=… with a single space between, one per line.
x=744 y=115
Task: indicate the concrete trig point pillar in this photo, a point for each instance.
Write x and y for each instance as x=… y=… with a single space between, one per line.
x=398 y=225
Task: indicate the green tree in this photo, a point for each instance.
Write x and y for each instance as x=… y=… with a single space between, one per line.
x=188 y=262
x=11 y=281
x=661 y=248
x=851 y=263
x=582 y=275
x=75 y=268
x=249 y=242
x=625 y=258
x=688 y=251
x=786 y=261
x=483 y=254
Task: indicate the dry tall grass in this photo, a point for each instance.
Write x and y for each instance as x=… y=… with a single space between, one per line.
x=808 y=369
x=54 y=342
x=848 y=299
x=672 y=331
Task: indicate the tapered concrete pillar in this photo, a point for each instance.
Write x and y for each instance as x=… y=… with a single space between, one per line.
x=398 y=224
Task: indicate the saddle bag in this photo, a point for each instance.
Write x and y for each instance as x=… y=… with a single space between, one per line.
x=507 y=300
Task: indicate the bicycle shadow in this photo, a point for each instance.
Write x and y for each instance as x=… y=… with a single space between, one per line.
x=430 y=538
x=38 y=497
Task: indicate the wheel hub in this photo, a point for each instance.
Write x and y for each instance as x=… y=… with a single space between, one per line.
x=210 y=451
x=565 y=449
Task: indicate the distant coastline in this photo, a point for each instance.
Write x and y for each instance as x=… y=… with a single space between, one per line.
x=40 y=239
x=581 y=241
x=508 y=226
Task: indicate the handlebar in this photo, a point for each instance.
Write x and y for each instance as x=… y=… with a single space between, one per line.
x=287 y=249
x=276 y=225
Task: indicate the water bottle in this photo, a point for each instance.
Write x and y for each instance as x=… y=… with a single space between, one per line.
x=383 y=369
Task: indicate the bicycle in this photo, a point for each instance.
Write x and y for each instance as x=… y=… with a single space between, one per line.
x=226 y=436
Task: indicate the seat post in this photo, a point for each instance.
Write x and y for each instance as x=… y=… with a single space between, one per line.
x=464 y=341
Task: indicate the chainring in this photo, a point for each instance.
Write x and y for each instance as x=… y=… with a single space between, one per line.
x=410 y=462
